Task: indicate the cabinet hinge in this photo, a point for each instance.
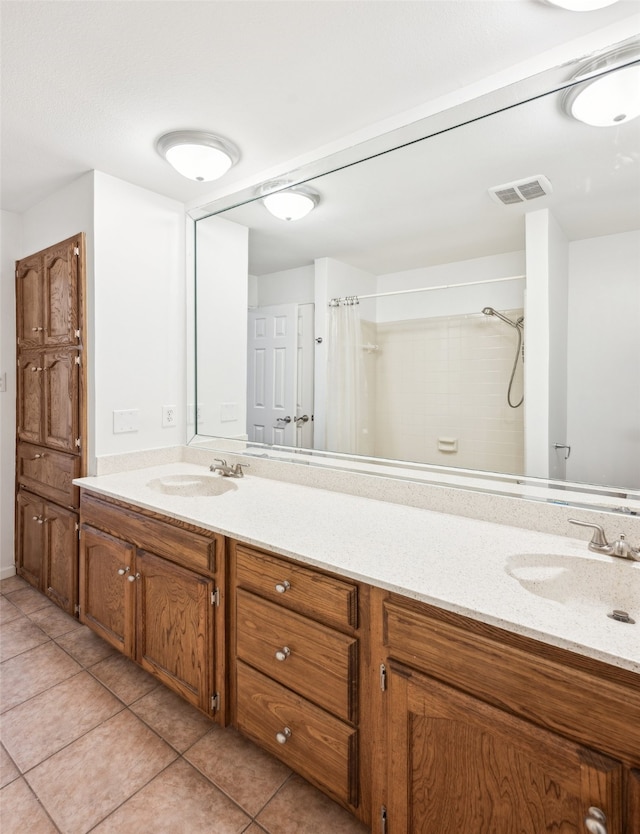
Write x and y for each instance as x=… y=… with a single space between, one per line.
x=77 y=442
x=76 y=251
x=215 y=597
x=76 y=608
x=383 y=677
x=383 y=820
x=78 y=530
x=77 y=357
x=77 y=334
x=215 y=702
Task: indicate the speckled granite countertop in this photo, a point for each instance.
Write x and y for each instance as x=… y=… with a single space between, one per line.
x=547 y=587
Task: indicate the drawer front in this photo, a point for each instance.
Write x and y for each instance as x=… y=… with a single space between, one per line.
x=301 y=589
x=313 y=743
x=184 y=547
x=49 y=473
x=316 y=661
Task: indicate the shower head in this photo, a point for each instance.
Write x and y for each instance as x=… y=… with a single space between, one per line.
x=489 y=311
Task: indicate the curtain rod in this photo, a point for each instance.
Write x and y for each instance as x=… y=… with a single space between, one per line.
x=353 y=299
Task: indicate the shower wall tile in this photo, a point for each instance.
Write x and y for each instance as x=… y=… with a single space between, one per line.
x=447 y=377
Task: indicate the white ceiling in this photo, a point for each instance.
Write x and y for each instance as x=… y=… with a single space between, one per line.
x=91 y=85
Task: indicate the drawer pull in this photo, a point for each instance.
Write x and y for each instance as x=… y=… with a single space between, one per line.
x=133 y=578
x=283 y=653
x=122 y=571
x=282 y=587
x=284 y=736
x=595 y=821
x=37 y=456
x=39 y=519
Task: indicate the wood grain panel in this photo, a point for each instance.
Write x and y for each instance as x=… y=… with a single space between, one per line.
x=582 y=706
x=49 y=473
x=61 y=379
x=321 y=748
x=30 y=538
x=61 y=557
x=30 y=397
x=61 y=293
x=325 y=598
x=29 y=302
x=322 y=664
x=192 y=550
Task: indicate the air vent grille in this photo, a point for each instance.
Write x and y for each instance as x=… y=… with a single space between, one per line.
x=521 y=191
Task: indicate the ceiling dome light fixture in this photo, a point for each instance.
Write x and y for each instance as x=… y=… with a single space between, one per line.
x=198 y=155
x=609 y=99
x=291 y=203
x=580 y=5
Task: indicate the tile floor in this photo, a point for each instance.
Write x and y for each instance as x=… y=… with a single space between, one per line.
x=91 y=742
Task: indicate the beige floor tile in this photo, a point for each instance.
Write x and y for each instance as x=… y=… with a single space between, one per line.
x=12 y=583
x=19 y=636
x=22 y=813
x=85 y=646
x=247 y=774
x=29 y=599
x=300 y=809
x=8 y=770
x=8 y=611
x=83 y=783
x=179 y=799
x=172 y=718
x=124 y=678
x=254 y=828
x=54 y=621
x=40 y=727
x=32 y=672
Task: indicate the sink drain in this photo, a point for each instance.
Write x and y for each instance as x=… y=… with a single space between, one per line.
x=621 y=616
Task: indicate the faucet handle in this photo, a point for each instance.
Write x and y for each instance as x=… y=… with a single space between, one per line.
x=598 y=539
x=220 y=461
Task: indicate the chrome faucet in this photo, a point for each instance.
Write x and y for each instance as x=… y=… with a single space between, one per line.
x=599 y=544
x=227 y=471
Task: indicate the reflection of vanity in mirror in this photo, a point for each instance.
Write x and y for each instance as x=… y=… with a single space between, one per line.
x=493 y=332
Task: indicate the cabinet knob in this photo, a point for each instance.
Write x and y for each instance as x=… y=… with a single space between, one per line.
x=595 y=821
x=283 y=653
x=33 y=368
x=37 y=329
x=283 y=736
x=39 y=519
x=281 y=587
x=38 y=456
x=132 y=578
x=122 y=571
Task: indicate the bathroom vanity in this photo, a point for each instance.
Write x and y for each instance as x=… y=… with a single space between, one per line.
x=390 y=655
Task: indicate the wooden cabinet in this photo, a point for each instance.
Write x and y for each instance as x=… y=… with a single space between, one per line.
x=50 y=417
x=161 y=610
x=296 y=661
x=494 y=733
x=45 y=535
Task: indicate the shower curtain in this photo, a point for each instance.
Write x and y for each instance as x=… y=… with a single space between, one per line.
x=346 y=399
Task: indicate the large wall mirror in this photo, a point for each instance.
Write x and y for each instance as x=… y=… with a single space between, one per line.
x=469 y=300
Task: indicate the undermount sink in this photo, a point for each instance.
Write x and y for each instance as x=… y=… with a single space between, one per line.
x=192 y=486
x=585 y=585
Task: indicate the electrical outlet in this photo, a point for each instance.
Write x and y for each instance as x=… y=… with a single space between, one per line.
x=168 y=416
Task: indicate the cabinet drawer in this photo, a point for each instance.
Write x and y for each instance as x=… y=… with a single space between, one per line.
x=316 y=661
x=305 y=590
x=193 y=550
x=318 y=746
x=49 y=473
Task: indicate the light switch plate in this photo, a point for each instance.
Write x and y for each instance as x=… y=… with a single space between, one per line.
x=126 y=421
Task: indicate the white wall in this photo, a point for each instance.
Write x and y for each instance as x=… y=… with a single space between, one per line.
x=295 y=286
x=10 y=253
x=222 y=265
x=139 y=358
x=604 y=352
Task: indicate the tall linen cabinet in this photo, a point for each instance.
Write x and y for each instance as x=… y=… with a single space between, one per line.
x=50 y=417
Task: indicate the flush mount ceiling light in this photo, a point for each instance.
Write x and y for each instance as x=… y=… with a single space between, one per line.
x=291 y=203
x=580 y=5
x=609 y=99
x=198 y=155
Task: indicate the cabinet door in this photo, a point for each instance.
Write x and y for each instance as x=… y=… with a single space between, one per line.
x=175 y=627
x=29 y=307
x=61 y=376
x=30 y=397
x=60 y=294
x=107 y=597
x=30 y=538
x=458 y=765
x=60 y=573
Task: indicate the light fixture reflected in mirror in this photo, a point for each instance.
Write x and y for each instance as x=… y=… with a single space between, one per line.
x=606 y=100
x=292 y=203
x=198 y=155
x=580 y=5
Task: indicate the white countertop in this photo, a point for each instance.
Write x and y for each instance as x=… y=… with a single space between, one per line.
x=475 y=568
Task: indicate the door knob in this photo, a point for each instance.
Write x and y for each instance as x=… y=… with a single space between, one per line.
x=286 y=419
x=303 y=419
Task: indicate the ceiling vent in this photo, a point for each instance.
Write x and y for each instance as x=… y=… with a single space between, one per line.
x=521 y=191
